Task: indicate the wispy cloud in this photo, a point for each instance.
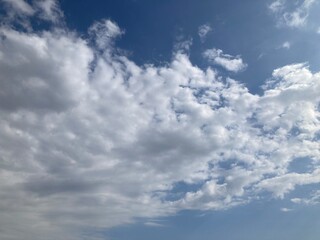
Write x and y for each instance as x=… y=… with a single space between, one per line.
x=286 y=45
x=20 y=6
x=48 y=10
x=277 y=6
x=104 y=33
x=154 y=224
x=19 y=11
x=286 y=210
x=312 y=200
x=229 y=62
x=291 y=18
x=203 y=31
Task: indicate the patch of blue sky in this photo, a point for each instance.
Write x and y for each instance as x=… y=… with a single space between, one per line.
x=261 y=220
x=150 y=37
x=301 y=165
x=180 y=189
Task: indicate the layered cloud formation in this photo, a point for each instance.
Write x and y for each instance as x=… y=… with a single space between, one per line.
x=91 y=140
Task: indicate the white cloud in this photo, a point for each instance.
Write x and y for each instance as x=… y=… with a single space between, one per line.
x=277 y=6
x=48 y=10
x=91 y=140
x=229 y=62
x=183 y=46
x=154 y=224
x=286 y=45
x=42 y=82
x=288 y=182
x=291 y=18
x=20 y=11
x=104 y=32
x=203 y=31
x=20 y=6
x=285 y=209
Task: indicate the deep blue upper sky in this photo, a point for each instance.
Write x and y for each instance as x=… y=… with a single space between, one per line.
x=243 y=28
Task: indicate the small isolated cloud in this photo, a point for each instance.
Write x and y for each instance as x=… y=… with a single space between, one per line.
x=286 y=209
x=203 y=31
x=154 y=224
x=286 y=45
x=277 y=6
x=104 y=32
x=296 y=200
x=229 y=62
x=291 y=18
x=318 y=30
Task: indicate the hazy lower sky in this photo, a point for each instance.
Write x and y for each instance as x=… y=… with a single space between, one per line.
x=152 y=120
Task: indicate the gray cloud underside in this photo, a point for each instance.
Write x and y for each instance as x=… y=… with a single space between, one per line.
x=91 y=140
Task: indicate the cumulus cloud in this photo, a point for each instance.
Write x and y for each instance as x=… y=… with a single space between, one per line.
x=297 y=17
x=91 y=140
x=203 y=31
x=229 y=62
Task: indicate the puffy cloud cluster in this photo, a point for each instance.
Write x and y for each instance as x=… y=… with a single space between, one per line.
x=90 y=140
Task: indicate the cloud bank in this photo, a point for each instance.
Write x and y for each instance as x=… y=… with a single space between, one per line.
x=91 y=140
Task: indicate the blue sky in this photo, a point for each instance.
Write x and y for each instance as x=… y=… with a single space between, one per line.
x=139 y=119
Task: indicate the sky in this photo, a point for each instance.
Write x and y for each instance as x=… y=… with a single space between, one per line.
x=178 y=120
